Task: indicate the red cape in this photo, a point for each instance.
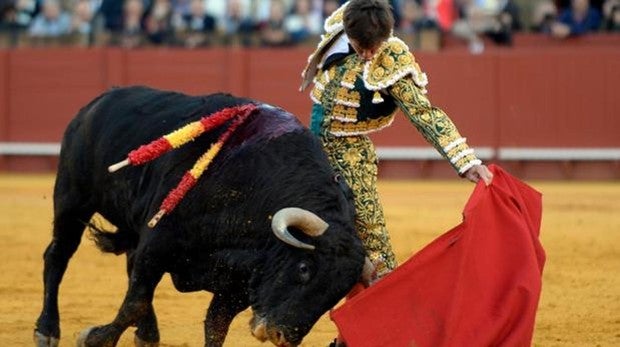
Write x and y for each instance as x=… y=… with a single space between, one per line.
x=476 y=285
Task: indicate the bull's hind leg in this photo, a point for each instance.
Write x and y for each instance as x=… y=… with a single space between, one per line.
x=146 y=274
x=69 y=217
x=147 y=334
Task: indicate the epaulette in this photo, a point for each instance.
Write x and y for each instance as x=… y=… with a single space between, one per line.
x=392 y=62
x=333 y=28
x=335 y=20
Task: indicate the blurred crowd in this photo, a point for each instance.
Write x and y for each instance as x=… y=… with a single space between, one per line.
x=200 y=23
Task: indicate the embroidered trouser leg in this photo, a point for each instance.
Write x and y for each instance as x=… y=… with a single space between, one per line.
x=355 y=159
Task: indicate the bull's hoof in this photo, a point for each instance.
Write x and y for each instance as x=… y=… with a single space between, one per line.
x=41 y=340
x=98 y=336
x=141 y=343
x=81 y=340
x=337 y=343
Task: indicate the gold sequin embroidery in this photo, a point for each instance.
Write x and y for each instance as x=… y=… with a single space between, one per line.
x=344 y=113
x=339 y=128
x=436 y=127
x=348 y=97
x=392 y=62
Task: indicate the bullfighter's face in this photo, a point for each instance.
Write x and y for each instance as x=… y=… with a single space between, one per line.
x=366 y=53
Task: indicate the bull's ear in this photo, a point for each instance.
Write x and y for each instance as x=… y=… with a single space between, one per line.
x=239 y=259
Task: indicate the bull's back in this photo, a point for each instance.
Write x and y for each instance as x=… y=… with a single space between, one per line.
x=124 y=118
x=117 y=122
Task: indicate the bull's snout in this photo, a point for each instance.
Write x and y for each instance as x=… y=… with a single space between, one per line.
x=262 y=332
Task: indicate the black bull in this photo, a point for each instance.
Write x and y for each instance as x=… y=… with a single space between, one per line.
x=222 y=236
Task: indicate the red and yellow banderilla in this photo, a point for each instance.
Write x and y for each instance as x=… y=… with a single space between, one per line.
x=178 y=138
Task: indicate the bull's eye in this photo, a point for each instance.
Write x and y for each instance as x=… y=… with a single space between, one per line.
x=304 y=272
x=337 y=178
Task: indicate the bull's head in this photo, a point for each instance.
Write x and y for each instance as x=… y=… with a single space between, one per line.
x=302 y=282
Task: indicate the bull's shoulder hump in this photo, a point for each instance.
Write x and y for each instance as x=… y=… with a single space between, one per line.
x=269 y=121
x=279 y=117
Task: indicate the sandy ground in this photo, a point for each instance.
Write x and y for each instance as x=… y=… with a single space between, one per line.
x=580 y=304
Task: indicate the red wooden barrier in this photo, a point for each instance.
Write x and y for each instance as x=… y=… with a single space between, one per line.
x=555 y=96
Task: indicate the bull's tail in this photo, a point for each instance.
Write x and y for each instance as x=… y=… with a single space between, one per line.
x=117 y=242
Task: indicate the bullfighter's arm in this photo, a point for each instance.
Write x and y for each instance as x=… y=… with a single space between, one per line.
x=433 y=123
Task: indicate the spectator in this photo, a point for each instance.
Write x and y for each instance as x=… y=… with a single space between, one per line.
x=329 y=6
x=510 y=15
x=216 y=8
x=395 y=5
x=544 y=15
x=181 y=8
x=442 y=12
x=565 y=4
x=492 y=18
x=113 y=12
x=7 y=14
x=52 y=22
x=418 y=26
x=131 y=34
x=81 y=17
x=317 y=8
x=507 y=22
x=611 y=10
x=5 y=7
x=260 y=9
x=411 y=17
x=236 y=24
x=272 y=32
x=95 y=5
x=19 y=13
x=158 y=23
x=302 y=23
x=25 y=12
x=196 y=27
x=579 y=19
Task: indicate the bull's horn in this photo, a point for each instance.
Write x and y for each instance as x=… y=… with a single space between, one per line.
x=304 y=220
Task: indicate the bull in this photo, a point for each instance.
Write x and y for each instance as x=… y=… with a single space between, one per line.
x=271 y=182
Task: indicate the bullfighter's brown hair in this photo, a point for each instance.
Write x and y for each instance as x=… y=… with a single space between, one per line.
x=368 y=22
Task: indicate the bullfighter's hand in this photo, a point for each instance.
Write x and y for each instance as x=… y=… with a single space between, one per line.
x=477 y=172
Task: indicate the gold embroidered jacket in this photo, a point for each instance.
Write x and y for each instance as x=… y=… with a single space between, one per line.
x=360 y=97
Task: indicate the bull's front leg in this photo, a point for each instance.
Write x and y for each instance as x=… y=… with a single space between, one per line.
x=223 y=308
x=145 y=276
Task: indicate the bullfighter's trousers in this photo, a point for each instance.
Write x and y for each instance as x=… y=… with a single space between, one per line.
x=355 y=159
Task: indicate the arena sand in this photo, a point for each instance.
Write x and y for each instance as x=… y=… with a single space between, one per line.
x=580 y=303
